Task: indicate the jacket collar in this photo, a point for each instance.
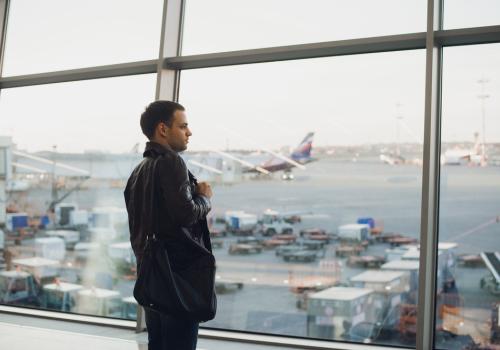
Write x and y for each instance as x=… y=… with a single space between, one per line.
x=156 y=149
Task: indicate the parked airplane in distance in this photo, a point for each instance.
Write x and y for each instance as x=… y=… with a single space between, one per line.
x=300 y=155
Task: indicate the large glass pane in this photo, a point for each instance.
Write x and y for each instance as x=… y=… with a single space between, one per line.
x=468 y=286
x=70 y=149
x=322 y=246
x=466 y=13
x=59 y=34
x=226 y=25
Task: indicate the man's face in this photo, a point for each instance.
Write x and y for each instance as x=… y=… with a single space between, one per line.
x=177 y=135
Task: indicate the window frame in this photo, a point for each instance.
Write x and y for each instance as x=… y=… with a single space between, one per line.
x=169 y=65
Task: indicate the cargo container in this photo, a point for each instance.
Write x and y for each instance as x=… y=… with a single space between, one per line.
x=409 y=266
x=79 y=218
x=111 y=219
x=16 y=221
x=70 y=237
x=382 y=281
x=99 y=302
x=129 y=308
x=367 y=221
x=44 y=270
x=50 y=248
x=333 y=311
x=390 y=290
x=60 y=296
x=354 y=232
x=239 y=222
x=83 y=250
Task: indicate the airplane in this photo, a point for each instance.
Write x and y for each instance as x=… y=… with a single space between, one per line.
x=460 y=156
x=300 y=155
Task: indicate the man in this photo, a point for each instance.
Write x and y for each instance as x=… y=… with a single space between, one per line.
x=180 y=203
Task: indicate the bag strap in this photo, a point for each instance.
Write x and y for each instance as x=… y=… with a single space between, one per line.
x=152 y=233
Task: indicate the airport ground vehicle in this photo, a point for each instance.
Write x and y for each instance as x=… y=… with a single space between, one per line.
x=331 y=312
x=223 y=286
x=250 y=240
x=302 y=255
x=217 y=243
x=217 y=226
x=43 y=270
x=244 y=249
x=50 y=248
x=274 y=242
x=18 y=287
x=315 y=234
x=60 y=296
x=348 y=250
x=70 y=237
x=123 y=257
x=273 y=223
x=354 y=232
x=288 y=248
x=313 y=244
x=101 y=302
x=366 y=261
x=129 y=308
x=240 y=223
x=490 y=284
x=306 y=285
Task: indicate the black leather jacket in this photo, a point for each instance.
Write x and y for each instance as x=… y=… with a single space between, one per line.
x=160 y=198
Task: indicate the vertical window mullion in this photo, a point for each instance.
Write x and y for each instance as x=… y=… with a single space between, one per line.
x=430 y=180
x=4 y=12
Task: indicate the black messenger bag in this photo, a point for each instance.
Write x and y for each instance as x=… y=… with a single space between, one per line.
x=187 y=293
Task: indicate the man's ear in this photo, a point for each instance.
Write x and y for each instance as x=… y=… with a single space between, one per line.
x=162 y=129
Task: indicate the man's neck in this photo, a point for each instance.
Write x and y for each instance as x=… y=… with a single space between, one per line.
x=163 y=143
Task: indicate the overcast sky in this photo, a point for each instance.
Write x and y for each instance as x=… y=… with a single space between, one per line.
x=346 y=100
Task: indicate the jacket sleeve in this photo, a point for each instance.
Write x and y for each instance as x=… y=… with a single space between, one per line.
x=185 y=207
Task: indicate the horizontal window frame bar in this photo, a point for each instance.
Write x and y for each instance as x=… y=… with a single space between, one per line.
x=295 y=52
x=468 y=36
x=401 y=42
x=99 y=72
x=71 y=317
x=206 y=333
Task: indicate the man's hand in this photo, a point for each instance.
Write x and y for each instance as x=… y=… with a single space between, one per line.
x=204 y=189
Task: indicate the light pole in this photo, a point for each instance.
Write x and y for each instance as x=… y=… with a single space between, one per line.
x=483 y=96
x=399 y=117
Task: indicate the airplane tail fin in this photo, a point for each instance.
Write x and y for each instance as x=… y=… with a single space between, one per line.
x=303 y=150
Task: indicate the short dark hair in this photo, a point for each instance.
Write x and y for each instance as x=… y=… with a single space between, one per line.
x=157 y=112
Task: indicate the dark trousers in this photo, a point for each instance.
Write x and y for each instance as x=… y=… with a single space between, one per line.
x=169 y=333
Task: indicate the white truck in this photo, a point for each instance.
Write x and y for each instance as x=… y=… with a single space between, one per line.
x=273 y=223
x=239 y=222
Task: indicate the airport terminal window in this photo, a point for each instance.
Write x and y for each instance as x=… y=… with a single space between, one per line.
x=314 y=249
x=65 y=245
x=468 y=282
x=58 y=34
x=466 y=13
x=226 y=25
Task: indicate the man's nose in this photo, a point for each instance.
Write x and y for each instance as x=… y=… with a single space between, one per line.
x=189 y=132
